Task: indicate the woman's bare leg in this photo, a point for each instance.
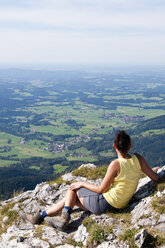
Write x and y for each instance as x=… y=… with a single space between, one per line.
x=56 y=208
x=79 y=203
x=71 y=199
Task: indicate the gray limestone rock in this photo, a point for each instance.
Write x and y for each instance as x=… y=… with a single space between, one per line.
x=81 y=235
x=140 y=238
x=161 y=223
x=141 y=209
x=103 y=219
x=150 y=221
x=5 y=219
x=111 y=245
x=106 y=245
x=66 y=246
x=144 y=189
x=69 y=177
x=52 y=235
x=89 y=165
x=111 y=237
x=25 y=235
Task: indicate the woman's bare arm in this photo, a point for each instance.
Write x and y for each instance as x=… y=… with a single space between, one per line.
x=156 y=169
x=111 y=173
x=146 y=168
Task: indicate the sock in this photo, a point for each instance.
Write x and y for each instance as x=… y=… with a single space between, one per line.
x=43 y=214
x=68 y=209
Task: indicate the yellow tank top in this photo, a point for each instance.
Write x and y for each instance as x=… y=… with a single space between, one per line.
x=125 y=184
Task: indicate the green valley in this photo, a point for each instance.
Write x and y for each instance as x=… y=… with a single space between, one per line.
x=52 y=121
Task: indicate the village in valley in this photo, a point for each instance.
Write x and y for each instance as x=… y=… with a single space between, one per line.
x=66 y=119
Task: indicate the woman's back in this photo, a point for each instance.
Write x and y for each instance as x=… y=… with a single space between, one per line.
x=125 y=184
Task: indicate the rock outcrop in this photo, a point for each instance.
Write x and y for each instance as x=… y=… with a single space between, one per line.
x=141 y=224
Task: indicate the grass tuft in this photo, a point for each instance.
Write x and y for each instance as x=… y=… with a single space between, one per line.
x=155 y=238
x=59 y=180
x=121 y=216
x=128 y=236
x=158 y=204
x=97 y=232
x=91 y=173
x=18 y=192
x=12 y=216
x=88 y=222
x=161 y=185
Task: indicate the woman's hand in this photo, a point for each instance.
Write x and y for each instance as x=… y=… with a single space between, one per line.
x=156 y=169
x=112 y=172
x=76 y=185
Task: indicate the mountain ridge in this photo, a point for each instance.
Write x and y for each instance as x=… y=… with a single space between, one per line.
x=141 y=224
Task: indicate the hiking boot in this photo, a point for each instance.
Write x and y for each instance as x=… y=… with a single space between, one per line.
x=32 y=218
x=60 y=222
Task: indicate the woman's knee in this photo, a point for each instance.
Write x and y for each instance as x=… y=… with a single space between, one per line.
x=70 y=193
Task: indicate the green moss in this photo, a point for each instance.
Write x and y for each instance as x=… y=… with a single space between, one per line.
x=91 y=173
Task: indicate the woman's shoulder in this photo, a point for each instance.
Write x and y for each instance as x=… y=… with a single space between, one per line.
x=115 y=162
x=138 y=160
x=115 y=166
x=137 y=155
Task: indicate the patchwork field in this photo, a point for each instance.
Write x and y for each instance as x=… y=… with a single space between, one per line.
x=53 y=121
x=54 y=118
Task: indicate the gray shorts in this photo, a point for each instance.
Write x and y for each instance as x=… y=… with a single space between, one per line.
x=94 y=202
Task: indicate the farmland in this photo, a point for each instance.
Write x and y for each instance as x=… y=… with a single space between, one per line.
x=64 y=118
x=76 y=107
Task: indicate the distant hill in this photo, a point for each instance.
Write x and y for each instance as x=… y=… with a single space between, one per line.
x=148 y=138
x=150 y=124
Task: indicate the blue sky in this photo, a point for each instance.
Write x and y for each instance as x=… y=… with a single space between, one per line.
x=111 y=32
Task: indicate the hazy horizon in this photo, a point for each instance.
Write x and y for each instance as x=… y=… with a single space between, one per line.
x=81 y=67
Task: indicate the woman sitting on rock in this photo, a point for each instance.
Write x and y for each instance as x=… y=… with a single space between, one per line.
x=115 y=191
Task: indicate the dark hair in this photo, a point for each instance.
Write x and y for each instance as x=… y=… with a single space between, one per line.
x=122 y=141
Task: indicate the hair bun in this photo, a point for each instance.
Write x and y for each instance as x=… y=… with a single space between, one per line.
x=122 y=141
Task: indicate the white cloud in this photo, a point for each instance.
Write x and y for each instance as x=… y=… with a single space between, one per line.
x=116 y=31
x=60 y=14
